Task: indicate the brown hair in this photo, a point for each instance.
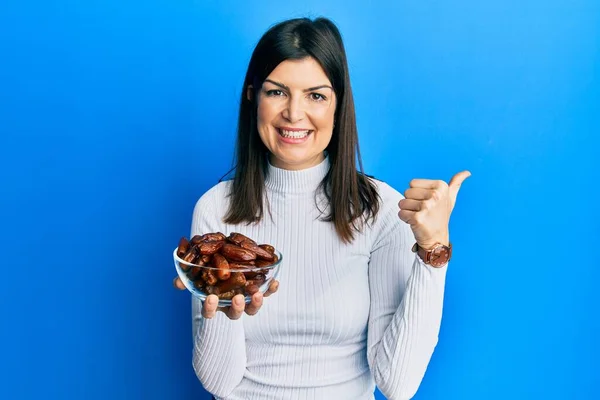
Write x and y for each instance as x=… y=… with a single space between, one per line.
x=352 y=197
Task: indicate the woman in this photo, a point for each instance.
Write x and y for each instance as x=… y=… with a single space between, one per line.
x=360 y=297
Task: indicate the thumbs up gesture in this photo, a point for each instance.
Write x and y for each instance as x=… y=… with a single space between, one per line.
x=427 y=207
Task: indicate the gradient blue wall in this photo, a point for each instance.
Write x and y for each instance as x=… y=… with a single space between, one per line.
x=115 y=116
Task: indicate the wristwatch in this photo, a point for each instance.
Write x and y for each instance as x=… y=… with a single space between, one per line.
x=437 y=256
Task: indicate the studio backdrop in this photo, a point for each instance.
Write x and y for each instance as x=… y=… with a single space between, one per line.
x=117 y=115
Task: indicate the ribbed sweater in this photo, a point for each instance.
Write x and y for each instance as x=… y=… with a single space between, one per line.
x=346 y=317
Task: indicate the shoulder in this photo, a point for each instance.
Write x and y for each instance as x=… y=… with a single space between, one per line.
x=389 y=196
x=210 y=208
x=388 y=220
x=214 y=199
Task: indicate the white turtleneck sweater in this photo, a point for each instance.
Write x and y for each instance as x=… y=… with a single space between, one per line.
x=346 y=317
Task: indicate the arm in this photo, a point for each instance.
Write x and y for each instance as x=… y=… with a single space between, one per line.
x=219 y=356
x=406 y=310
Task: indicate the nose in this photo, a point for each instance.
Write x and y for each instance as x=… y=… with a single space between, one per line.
x=294 y=111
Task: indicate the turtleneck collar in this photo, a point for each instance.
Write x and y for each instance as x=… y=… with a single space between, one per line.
x=297 y=181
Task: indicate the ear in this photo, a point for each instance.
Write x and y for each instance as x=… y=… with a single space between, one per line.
x=250 y=93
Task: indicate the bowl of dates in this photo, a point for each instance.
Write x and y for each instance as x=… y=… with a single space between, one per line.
x=225 y=266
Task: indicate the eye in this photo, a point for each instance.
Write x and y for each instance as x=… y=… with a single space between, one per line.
x=317 y=97
x=274 y=92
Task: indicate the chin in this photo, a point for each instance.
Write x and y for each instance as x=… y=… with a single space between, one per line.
x=296 y=161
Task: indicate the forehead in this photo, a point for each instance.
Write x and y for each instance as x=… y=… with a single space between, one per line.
x=300 y=74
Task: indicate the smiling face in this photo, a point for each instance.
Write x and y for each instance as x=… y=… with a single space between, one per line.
x=295 y=117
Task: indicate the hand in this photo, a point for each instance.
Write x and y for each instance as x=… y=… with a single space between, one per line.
x=209 y=306
x=427 y=207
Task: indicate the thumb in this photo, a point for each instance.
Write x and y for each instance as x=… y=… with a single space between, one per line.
x=455 y=184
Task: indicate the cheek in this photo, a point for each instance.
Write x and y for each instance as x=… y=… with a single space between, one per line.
x=324 y=139
x=324 y=119
x=265 y=114
x=325 y=114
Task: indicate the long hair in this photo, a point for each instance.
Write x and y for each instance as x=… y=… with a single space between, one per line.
x=352 y=197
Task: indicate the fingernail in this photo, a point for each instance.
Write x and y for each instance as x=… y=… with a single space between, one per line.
x=210 y=301
x=237 y=301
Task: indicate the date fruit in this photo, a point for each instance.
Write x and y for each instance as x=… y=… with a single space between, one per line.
x=237 y=253
x=259 y=251
x=238 y=238
x=213 y=237
x=189 y=257
x=209 y=248
x=267 y=247
x=183 y=247
x=220 y=262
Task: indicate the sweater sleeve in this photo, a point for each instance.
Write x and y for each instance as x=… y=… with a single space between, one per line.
x=406 y=310
x=219 y=355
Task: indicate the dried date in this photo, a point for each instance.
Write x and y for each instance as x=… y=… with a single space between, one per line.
x=207 y=248
x=236 y=253
x=238 y=238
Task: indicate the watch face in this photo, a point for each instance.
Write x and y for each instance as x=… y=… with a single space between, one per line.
x=439 y=256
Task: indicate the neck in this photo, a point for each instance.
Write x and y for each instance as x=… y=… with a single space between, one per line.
x=305 y=180
x=276 y=162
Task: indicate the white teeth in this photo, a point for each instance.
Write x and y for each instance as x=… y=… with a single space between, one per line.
x=294 y=134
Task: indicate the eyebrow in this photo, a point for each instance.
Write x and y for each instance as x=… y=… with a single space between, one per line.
x=281 y=85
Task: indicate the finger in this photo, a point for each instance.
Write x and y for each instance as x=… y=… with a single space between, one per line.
x=237 y=307
x=418 y=194
x=459 y=178
x=410 y=205
x=255 y=304
x=178 y=284
x=209 y=307
x=427 y=184
x=273 y=287
x=407 y=216
x=455 y=183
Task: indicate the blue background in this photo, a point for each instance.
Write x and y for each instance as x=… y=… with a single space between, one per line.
x=115 y=116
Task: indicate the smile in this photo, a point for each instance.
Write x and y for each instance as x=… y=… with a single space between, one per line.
x=294 y=134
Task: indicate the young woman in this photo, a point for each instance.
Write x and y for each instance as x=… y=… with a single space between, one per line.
x=360 y=294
